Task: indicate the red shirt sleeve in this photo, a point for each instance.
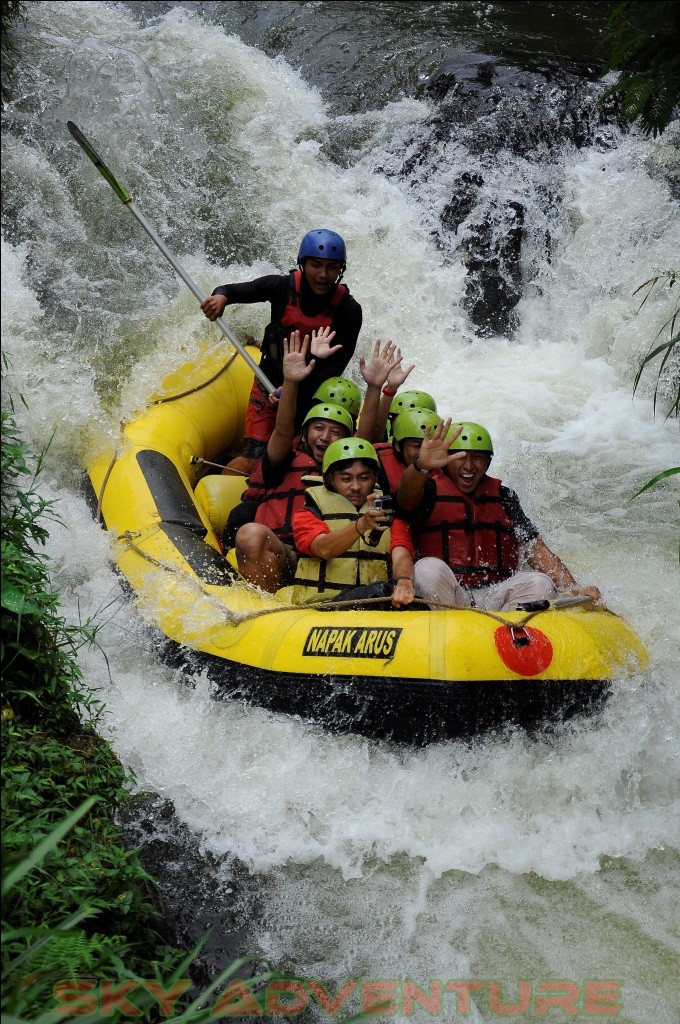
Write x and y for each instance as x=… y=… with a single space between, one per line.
x=307 y=526
x=401 y=536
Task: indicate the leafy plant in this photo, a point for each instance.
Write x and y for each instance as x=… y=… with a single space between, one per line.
x=664 y=350
x=657 y=479
x=11 y=11
x=38 y=647
x=53 y=765
x=56 y=952
x=644 y=47
x=60 y=951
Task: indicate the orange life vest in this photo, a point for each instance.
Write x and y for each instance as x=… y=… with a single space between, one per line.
x=277 y=504
x=472 y=533
x=293 y=317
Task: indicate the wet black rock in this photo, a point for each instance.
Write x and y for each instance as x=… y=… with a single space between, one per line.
x=493 y=286
x=522 y=110
x=503 y=132
x=465 y=197
x=193 y=891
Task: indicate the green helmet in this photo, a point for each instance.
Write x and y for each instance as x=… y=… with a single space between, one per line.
x=326 y=411
x=348 y=448
x=340 y=391
x=472 y=438
x=412 y=400
x=413 y=423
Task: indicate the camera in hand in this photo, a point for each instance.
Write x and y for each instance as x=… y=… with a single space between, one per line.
x=383 y=504
x=386 y=506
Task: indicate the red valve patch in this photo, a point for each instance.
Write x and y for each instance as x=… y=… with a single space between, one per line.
x=523 y=649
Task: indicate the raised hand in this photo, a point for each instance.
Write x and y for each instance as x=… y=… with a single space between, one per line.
x=398 y=373
x=321 y=343
x=382 y=363
x=434 y=451
x=295 y=365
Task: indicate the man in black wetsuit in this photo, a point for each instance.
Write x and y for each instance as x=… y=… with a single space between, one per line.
x=310 y=300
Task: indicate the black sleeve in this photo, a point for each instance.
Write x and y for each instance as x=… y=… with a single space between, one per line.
x=272 y=288
x=347 y=323
x=525 y=530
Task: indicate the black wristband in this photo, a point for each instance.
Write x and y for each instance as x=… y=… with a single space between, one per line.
x=418 y=468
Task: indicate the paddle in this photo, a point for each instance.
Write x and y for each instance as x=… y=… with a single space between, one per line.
x=568 y=601
x=126 y=199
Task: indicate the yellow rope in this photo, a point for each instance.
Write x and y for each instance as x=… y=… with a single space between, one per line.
x=127 y=538
x=161 y=401
x=103 y=487
x=199 y=387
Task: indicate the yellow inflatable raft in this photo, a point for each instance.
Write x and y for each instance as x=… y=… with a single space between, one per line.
x=411 y=676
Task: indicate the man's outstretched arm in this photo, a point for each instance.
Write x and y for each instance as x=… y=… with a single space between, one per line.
x=540 y=557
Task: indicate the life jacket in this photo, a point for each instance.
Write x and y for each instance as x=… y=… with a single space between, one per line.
x=393 y=468
x=277 y=504
x=472 y=533
x=293 y=319
x=319 y=579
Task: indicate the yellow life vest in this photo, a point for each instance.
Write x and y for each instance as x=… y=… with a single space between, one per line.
x=320 y=579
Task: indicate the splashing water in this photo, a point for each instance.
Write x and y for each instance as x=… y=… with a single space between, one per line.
x=503 y=858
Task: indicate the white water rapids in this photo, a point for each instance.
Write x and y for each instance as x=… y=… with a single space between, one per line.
x=506 y=859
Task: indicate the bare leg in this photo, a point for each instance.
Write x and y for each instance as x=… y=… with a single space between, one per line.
x=260 y=556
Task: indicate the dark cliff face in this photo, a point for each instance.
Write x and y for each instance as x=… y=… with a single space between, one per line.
x=496 y=140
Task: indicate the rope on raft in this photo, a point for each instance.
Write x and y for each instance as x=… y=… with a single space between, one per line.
x=127 y=538
x=199 y=387
x=100 y=499
x=162 y=401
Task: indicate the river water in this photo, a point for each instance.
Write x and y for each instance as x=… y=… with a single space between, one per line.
x=238 y=126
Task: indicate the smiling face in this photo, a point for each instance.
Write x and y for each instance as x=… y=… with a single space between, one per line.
x=319 y=434
x=321 y=275
x=466 y=469
x=354 y=481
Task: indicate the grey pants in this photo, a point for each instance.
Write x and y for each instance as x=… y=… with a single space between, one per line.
x=434 y=581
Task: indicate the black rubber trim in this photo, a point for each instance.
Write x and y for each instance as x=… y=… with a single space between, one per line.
x=173 y=500
x=86 y=491
x=406 y=711
x=209 y=565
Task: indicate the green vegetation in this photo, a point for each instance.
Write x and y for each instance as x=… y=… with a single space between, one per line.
x=665 y=349
x=65 y=965
x=643 y=44
x=644 y=47
x=51 y=763
x=11 y=11
x=38 y=647
x=76 y=902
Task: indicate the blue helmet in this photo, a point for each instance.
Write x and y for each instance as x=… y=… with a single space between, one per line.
x=323 y=245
